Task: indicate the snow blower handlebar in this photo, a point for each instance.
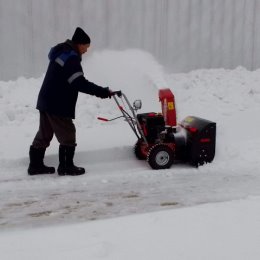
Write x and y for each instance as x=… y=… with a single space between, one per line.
x=118 y=93
x=131 y=120
x=120 y=99
x=112 y=94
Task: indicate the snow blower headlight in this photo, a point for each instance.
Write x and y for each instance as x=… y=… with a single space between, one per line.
x=137 y=104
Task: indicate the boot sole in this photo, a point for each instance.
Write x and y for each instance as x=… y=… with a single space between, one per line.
x=40 y=173
x=62 y=171
x=70 y=173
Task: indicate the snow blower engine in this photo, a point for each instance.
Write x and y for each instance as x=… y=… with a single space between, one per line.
x=160 y=140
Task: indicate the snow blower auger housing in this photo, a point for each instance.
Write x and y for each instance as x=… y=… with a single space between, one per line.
x=160 y=140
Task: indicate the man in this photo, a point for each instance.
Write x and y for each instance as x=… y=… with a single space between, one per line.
x=56 y=104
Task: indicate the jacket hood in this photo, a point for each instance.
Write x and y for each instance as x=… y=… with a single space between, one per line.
x=60 y=48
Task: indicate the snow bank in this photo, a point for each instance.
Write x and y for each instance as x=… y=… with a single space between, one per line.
x=214 y=94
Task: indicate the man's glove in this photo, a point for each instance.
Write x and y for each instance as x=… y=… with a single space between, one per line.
x=118 y=93
x=106 y=93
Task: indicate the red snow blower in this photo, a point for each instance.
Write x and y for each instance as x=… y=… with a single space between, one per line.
x=160 y=140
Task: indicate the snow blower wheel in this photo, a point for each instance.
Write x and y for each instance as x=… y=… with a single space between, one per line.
x=160 y=156
x=138 y=150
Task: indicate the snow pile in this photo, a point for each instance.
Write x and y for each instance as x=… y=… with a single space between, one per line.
x=224 y=93
x=116 y=184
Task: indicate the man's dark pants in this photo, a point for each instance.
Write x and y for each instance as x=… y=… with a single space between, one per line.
x=63 y=128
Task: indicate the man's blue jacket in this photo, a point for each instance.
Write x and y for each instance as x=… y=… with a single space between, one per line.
x=63 y=80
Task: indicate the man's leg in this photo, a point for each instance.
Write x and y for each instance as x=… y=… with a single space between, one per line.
x=65 y=131
x=44 y=135
x=38 y=148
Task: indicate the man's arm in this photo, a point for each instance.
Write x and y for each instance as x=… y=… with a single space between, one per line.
x=75 y=77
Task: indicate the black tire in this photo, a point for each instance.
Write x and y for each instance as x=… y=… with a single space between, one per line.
x=137 y=150
x=160 y=156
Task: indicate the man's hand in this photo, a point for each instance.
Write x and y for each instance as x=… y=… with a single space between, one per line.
x=118 y=93
x=108 y=93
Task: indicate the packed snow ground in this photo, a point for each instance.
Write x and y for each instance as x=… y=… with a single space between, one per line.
x=228 y=230
x=116 y=184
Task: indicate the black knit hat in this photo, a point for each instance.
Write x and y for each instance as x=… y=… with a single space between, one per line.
x=80 y=37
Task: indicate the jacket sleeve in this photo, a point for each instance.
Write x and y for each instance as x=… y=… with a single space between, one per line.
x=75 y=77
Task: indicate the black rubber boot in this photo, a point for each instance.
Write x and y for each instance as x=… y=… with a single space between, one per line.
x=36 y=165
x=66 y=166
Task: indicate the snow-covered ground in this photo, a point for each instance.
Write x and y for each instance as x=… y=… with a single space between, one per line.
x=121 y=209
